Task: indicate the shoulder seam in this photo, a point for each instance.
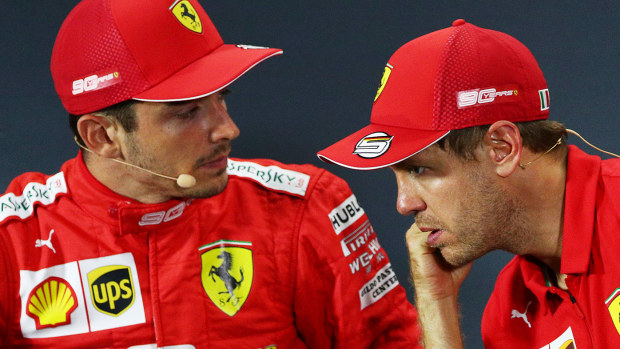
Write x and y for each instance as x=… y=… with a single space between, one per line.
x=273 y=177
x=33 y=194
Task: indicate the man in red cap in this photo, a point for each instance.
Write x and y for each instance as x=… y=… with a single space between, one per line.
x=152 y=237
x=461 y=118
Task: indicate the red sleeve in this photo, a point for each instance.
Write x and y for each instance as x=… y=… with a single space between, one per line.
x=347 y=295
x=5 y=290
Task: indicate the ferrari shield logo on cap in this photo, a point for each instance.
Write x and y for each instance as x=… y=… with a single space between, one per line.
x=613 y=305
x=227 y=273
x=186 y=14
x=373 y=145
x=384 y=79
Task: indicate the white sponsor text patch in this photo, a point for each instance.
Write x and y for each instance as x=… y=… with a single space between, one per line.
x=272 y=177
x=383 y=282
x=22 y=206
x=345 y=214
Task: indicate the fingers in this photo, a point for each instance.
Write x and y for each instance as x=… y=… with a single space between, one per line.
x=416 y=241
x=422 y=261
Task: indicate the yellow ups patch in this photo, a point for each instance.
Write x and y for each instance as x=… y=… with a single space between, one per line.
x=111 y=289
x=227 y=273
x=187 y=15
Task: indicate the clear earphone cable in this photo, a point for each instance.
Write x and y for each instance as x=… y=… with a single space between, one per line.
x=590 y=144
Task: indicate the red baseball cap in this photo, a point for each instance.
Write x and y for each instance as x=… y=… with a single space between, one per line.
x=109 y=51
x=454 y=78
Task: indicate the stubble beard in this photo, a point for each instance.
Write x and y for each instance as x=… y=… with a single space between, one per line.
x=488 y=218
x=211 y=190
x=215 y=186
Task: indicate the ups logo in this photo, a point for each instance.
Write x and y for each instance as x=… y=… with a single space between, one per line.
x=111 y=289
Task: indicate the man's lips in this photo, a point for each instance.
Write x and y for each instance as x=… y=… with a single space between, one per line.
x=217 y=159
x=218 y=163
x=433 y=236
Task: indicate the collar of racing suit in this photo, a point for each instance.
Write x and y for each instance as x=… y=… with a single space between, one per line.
x=130 y=216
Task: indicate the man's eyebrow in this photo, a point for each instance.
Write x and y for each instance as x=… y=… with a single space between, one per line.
x=410 y=161
x=168 y=107
x=178 y=103
x=417 y=159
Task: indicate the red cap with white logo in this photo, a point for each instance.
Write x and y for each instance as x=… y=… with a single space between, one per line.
x=109 y=51
x=457 y=77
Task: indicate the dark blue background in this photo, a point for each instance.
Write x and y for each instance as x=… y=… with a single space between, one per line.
x=322 y=88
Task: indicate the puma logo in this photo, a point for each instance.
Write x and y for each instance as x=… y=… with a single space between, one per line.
x=516 y=314
x=48 y=242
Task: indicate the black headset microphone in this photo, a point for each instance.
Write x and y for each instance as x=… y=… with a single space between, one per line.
x=184 y=180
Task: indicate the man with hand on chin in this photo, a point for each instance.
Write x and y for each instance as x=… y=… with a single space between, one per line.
x=461 y=117
x=152 y=237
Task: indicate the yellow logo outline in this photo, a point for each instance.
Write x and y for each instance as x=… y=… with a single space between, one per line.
x=613 y=306
x=187 y=16
x=227 y=274
x=384 y=79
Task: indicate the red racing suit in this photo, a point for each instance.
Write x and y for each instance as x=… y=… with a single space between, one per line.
x=527 y=310
x=284 y=258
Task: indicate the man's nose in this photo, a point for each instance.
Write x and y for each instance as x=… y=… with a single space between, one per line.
x=409 y=200
x=225 y=128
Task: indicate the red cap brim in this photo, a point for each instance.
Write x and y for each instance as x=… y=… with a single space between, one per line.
x=378 y=146
x=209 y=74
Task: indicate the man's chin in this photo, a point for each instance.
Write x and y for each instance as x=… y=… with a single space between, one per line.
x=207 y=188
x=454 y=258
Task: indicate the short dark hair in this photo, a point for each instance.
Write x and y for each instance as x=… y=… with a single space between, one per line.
x=122 y=112
x=538 y=136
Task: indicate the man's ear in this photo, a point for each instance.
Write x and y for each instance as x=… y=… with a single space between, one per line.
x=504 y=147
x=100 y=135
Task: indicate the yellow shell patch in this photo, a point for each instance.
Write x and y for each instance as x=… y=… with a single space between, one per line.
x=51 y=303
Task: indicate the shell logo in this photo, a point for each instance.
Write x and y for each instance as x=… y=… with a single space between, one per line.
x=51 y=303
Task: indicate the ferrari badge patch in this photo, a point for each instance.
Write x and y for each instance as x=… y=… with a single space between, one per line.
x=187 y=15
x=386 y=75
x=613 y=305
x=227 y=273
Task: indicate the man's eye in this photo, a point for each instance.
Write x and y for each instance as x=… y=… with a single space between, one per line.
x=224 y=93
x=188 y=114
x=417 y=169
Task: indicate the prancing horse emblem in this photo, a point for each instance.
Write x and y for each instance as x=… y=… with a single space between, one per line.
x=187 y=15
x=223 y=272
x=227 y=273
